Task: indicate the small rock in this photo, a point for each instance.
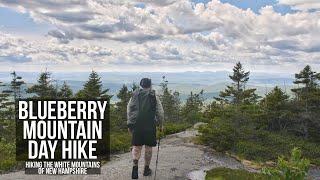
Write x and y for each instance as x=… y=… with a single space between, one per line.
x=173 y=169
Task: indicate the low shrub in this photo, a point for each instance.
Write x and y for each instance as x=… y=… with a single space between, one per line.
x=218 y=135
x=172 y=128
x=270 y=145
x=231 y=174
x=254 y=151
x=120 y=142
x=311 y=151
x=7 y=156
x=294 y=168
x=255 y=144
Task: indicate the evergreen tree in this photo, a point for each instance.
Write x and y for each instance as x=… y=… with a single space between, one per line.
x=5 y=103
x=16 y=85
x=275 y=100
x=307 y=77
x=236 y=92
x=92 y=89
x=276 y=104
x=177 y=102
x=307 y=102
x=65 y=91
x=44 y=88
x=119 y=111
x=4 y=97
x=12 y=94
x=124 y=96
x=309 y=93
x=170 y=101
x=192 y=109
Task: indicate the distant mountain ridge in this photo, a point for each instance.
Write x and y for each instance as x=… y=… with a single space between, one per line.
x=183 y=82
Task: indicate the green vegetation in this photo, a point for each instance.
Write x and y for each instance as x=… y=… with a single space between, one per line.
x=7 y=155
x=231 y=174
x=238 y=121
x=191 y=111
x=244 y=139
x=93 y=88
x=44 y=88
x=270 y=128
x=119 y=109
x=120 y=141
x=170 y=102
x=295 y=168
x=65 y=91
x=172 y=128
x=236 y=92
x=7 y=145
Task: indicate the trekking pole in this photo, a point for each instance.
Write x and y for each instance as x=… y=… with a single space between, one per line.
x=155 y=171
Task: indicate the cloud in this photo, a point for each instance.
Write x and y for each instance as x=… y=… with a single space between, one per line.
x=163 y=52
x=159 y=2
x=18 y=50
x=303 y=5
x=169 y=33
x=62 y=37
x=15 y=58
x=122 y=21
x=215 y=40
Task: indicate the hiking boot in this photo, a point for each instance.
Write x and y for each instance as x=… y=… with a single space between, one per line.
x=147 y=171
x=134 y=174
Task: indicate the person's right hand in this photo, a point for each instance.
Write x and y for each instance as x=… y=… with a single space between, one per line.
x=129 y=130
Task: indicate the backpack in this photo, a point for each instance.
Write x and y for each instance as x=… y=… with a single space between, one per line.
x=146 y=111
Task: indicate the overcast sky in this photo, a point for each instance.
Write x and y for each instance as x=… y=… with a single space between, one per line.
x=159 y=35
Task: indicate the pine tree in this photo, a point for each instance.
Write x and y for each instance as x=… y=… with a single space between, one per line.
x=65 y=91
x=191 y=111
x=307 y=77
x=307 y=102
x=92 y=89
x=276 y=105
x=44 y=88
x=309 y=93
x=236 y=92
x=5 y=102
x=275 y=100
x=177 y=102
x=16 y=85
x=10 y=95
x=124 y=96
x=170 y=101
x=4 y=97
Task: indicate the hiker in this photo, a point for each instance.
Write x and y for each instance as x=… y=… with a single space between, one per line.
x=144 y=113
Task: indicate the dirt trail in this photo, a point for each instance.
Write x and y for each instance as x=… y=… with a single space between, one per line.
x=179 y=159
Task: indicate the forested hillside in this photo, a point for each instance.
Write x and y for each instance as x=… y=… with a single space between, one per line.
x=239 y=121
